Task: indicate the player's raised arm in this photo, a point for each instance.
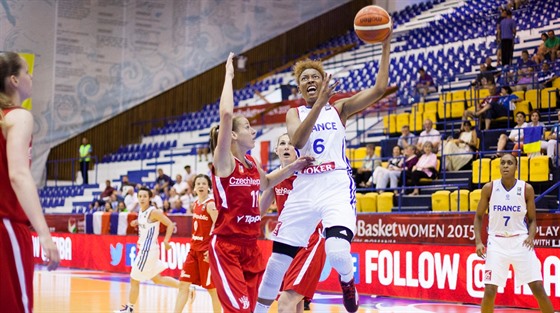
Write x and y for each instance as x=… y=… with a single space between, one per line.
x=367 y=97
x=223 y=159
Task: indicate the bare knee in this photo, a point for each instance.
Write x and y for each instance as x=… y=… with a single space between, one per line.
x=184 y=286
x=538 y=289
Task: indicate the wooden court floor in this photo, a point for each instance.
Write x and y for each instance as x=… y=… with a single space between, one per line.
x=71 y=290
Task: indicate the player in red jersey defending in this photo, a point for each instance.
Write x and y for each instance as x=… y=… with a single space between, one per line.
x=303 y=275
x=236 y=262
x=196 y=269
x=19 y=201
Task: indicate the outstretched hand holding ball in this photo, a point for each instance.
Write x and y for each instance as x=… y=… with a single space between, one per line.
x=373 y=24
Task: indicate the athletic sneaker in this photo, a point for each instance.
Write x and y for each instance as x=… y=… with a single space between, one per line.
x=349 y=296
x=125 y=309
x=306 y=304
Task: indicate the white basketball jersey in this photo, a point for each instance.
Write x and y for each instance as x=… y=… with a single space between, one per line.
x=507 y=209
x=327 y=142
x=149 y=231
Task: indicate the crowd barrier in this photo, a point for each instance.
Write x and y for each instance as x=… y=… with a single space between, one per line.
x=429 y=256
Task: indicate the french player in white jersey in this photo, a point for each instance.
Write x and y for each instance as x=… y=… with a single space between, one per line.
x=512 y=226
x=325 y=190
x=147 y=264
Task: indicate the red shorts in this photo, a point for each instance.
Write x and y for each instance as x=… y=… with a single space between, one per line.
x=304 y=272
x=237 y=268
x=196 y=270
x=16 y=267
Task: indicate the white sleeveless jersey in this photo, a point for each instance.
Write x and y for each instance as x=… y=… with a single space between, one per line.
x=507 y=210
x=149 y=231
x=327 y=142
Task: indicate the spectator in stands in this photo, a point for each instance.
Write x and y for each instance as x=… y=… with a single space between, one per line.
x=425 y=167
x=188 y=200
x=489 y=66
x=96 y=206
x=498 y=41
x=131 y=201
x=173 y=196
x=506 y=142
x=540 y=54
x=108 y=207
x=535 y=121
x=465 y=143
x=121 y=207
x=524 y=62
x=294 y=93
x=85 y=156
x=546 y=76
x=180 y=186
x=391 y=173
x=210 y=166
x=107 y=192
x=156 y=199
x=552 y=144
x=410 y=160
x=506 y=33
x=125 y=184
x=178 y=208
x=430 y=135
x=166 y=206
x=369 y=164
x=484 y=78
x=552 y=44
x=189 y=176
x=114 y=199
x=163 y=180
x=425 y=84
x=204 y=150
x=527 y=80
x=407 y=138
x=486 y=109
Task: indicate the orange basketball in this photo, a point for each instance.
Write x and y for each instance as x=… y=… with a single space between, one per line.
x=373 y=24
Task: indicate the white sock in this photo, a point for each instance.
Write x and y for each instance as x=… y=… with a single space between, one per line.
x=338 y=252
x=261 y=308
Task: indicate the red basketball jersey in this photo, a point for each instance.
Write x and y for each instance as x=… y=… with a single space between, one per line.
x=202 y=225
x=237 y=200
x=282 y=190
x=9 y=204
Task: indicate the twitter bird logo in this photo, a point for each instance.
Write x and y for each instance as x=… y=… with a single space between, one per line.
x=116 y=254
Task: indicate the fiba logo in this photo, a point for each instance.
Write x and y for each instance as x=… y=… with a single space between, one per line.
x=487 y=276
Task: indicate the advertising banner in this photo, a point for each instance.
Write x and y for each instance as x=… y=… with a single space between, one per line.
x=437 y=272
x=423 y=228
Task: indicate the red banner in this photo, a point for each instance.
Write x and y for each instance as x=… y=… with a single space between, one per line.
x=115 y=253
x=424 y=228
x=435 y=272
x=448 y=273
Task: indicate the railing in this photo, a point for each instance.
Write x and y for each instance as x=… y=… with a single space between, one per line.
x=75 y=164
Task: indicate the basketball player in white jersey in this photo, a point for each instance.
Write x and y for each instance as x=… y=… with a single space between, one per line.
x=147 y=265
x=325 y=190
x=512 y=226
